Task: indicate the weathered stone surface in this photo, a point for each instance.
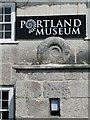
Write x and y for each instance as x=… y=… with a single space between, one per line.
x=27 y=52
x=68 y=9
x=38 y=108
x=83 y=54
x=20 y=76
x=20 y=89
x=33 y=89
x=6 y=74
x=40 y=10
x=81 y=8
x=0 y=73
x=54 y=9
x=72 y=75
x=21 y=108
x=9 y=54
x=46 y=75
x=89 y=89
x=13 y=77
x=56 y=89
x=53 y=50
x=33 y=10
x=74 y=108
x=28 y=89
x=85 y=75
x=79 y=88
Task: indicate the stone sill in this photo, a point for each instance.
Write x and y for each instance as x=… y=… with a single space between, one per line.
x=52 y=66
x=9 y=42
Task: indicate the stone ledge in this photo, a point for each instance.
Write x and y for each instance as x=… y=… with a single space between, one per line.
x=52 y=66
x=9 y=42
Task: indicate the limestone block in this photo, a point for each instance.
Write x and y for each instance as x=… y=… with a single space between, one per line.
x=9 y=54
x=68 y=9
x=69 y=75
x=54 y=9
x=20 y=89
x=88 y=75
x=38 y=108
x=89 y=107
x=20 y=11
x=81 y=8
x=39 y=10
x=33 y=10
x=78 y=88
x=28 y=89
x=83 y=53
x=21 y=109
x=21 y=76
x=55 y=89
x=46 y=75
x=0 y=73
x=85 y=75
x=89 y=89
x=74 y=108
x=27 y=52
x=33 y=89
x=6 y=74
x=0 y=53
x=13 y=77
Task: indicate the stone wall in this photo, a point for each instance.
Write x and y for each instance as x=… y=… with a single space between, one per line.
x=34 y=87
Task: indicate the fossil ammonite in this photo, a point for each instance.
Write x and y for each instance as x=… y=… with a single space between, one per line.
x=53 y=50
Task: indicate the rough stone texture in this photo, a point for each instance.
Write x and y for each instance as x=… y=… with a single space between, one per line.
x=6 y=74
x=85 y=75
x=53 y=50
x=38 y=108
x=21 y=109
x=78 y=89
x=33 y=88
x=28 y=89
x=9 y=53
x=46 y=75
x=56 y=89
x=0 y=74
x=13 y=77
x=20 y=89
x=27 y=52
x=54 y=9
x=39 y=10
x=83 y=54
x=81 y=8
x=37 y=86
x=74 y=108
x=20 y=76
x=68 y=9
x=51 y=9
x=33 y=10
x=71 y=75
x=77 y=46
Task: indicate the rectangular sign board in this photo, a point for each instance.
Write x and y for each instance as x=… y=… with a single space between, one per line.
x=38 y=27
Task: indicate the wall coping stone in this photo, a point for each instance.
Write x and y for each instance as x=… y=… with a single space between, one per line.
x=52 y=66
